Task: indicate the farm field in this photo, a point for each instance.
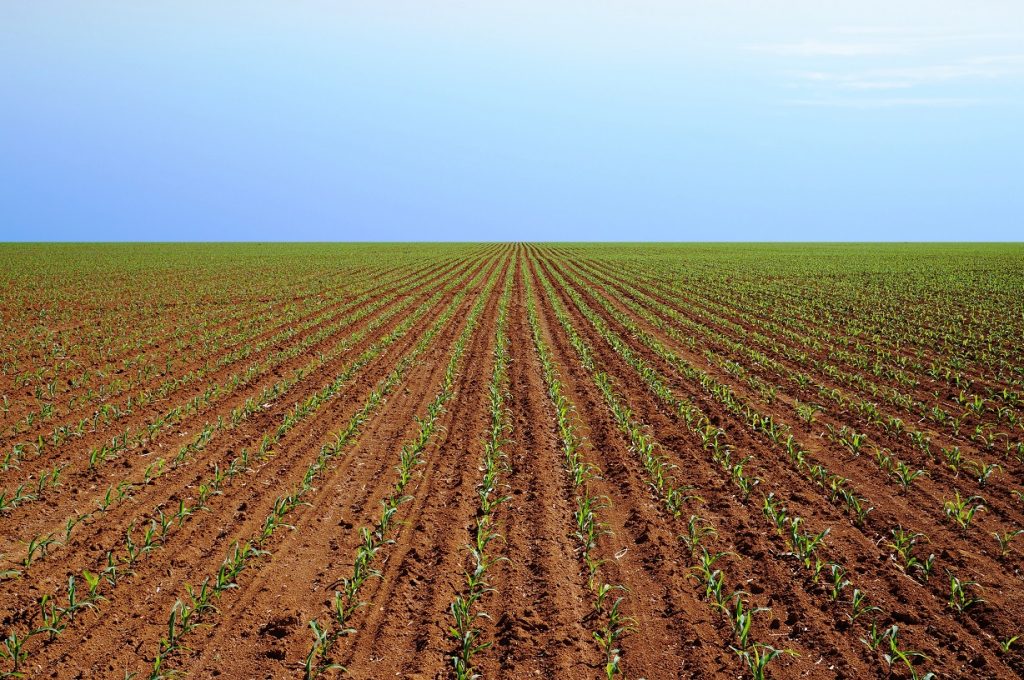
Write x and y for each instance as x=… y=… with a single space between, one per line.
x=512 y=461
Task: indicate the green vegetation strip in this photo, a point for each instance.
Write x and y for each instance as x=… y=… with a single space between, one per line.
x=375 y=536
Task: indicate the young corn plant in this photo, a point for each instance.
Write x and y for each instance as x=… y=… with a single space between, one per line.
x=859 y=606
x=902 y=547
x=698 y=529
x=615 y=627
x=804 y=545
x=758 y=656
x=741 y=616
x=837 y=582
x=321 y=645
x=806 y=412
x=38 y=546
x=906 y=476
x=13 y=649
x=893 y=654
x=853 y=441
x=960 y=596
x=961 y=510
x=710 y=578
x=876 y=636
x=954 y=459
x=982 y=471
x=1005 y=540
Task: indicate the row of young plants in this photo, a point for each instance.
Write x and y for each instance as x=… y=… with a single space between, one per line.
x=67 y=371
x=588 y=528
x=952 y=462
x=127 y=441
x=734 y=604
x=54 y=618
x=347 y=601
x=235 y=342
x=1003 y=403
x=122 y=491
x=98 y=385
x=742 y=300
x=983 y=434
x=850 y=317
x=186 y=614
x=849 y=439
x=958 y=509
x=53 y=332
x=658 y=385
x=805 y=547
x=467 y=606
x=79 y=319
x=109 y=413
x=904 y=336
x=161 y=344
x=970 y=425
x=779 y=434
x=89 y=332
x=724 y=301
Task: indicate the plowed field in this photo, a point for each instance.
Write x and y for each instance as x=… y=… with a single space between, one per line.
x=512 y=461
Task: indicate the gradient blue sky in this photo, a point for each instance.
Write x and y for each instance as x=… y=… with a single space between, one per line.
x=524 y=120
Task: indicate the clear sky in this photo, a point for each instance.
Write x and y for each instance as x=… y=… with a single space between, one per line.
x=517 y=120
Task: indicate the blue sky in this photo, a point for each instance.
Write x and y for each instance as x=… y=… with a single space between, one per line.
x=525 y=120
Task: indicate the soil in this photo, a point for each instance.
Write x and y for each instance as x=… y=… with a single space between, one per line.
x=540 y=610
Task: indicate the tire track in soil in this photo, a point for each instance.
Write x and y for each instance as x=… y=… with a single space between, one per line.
x=139 y=618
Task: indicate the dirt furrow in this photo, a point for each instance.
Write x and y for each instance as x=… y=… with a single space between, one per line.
x=879 y=577
x=97 y=481
x=204 y=538
x=298 y=584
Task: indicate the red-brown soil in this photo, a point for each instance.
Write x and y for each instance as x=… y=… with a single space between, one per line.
x=540 y=610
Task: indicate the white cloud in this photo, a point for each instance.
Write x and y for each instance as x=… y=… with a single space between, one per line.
x=999 y=59
x=886 y=102
x=978 y=68
x=884 y=42
x=814 y=48
x=862 y=65
x=922 y=36
x=879 y=85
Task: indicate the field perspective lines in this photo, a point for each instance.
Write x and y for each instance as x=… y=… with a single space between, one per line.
x=511 y=461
